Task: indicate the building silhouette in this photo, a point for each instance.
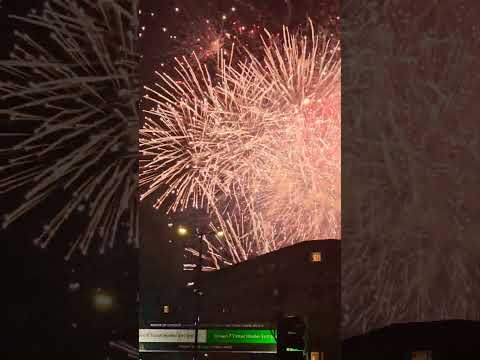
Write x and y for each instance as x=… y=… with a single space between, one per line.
x=300 y=280
x=438 y=340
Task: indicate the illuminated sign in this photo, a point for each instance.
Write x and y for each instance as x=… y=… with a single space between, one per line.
x=240 y=336
x=241 y=340
x=171 y=336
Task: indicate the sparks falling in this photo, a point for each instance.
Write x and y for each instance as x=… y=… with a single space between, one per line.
x=256 y=144
x=75 y=92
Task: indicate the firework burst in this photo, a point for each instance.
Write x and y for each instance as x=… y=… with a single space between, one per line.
x=256 y=144
x=304 y=178
x=73 y=86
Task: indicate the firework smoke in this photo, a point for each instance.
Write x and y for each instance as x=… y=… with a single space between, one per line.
x=258 y=139
x=73 y=85
x=213 y=37
x=210 y=31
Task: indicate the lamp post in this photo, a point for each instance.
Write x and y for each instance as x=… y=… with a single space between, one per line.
x=198 y=292
x=199 y=267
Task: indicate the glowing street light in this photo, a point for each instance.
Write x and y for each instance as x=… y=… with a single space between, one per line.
x=103 y=301
x=182 y=231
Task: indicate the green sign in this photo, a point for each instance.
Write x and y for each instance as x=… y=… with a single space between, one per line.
x=238 y=340
x=240 y=336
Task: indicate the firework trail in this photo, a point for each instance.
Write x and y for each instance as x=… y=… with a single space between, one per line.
x=75 y=91
x=259 y=138
x=409 y=252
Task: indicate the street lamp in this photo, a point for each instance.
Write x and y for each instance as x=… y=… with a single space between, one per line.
x=103 y=301
x=183 y=231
